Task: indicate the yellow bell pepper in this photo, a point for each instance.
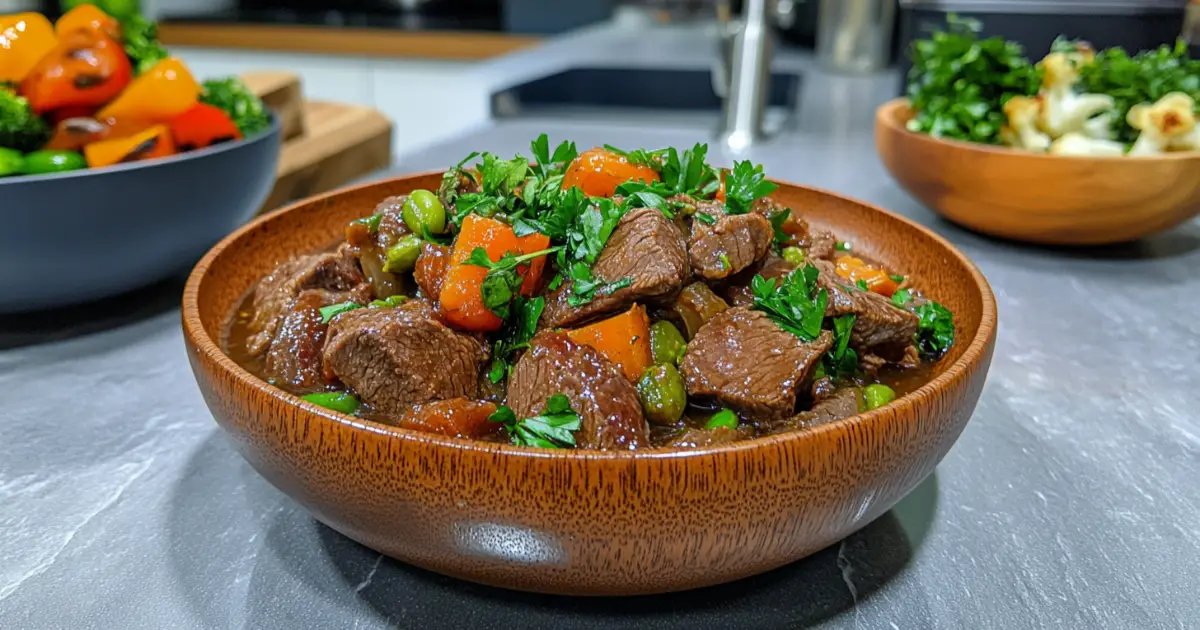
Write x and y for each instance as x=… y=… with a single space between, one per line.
x=24 y=39
x=162 y=93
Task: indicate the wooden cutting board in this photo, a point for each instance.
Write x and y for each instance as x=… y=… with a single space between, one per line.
x=326 y=144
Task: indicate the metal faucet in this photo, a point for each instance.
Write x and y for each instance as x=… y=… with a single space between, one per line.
x=742 y=72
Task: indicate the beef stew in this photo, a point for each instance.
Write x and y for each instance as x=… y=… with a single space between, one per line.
x=604 y=300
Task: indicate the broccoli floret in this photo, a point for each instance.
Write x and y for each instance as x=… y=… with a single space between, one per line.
x=141 y=42
x=234 y=98
x=20 y=128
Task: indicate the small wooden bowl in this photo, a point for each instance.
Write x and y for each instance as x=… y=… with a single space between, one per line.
x=588 y=523
x=1037 y=198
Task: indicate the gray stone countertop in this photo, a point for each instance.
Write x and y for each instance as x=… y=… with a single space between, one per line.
x=1070 y=501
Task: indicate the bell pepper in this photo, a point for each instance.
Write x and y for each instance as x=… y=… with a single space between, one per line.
x=201 y=126
x=24 y=39
x=87 y=68
x=162 y=93
x=88 y=17
x=72 y=134
x=154 y=142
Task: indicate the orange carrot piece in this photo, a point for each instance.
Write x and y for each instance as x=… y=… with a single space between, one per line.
x=462 y=296
x=876 y=279
x=456 y=417
x=599 y=171
x=623 y=339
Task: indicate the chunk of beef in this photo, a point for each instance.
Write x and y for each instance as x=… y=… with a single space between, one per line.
x=731 y=244
x=879 y=327
x=842 y=403
x=793 y=224
x=699 y=438
x=395 y=358
x=819 y=244
x=432 y=266
x=737 y=289
x=646 y=248
x=748 y=363
x=335 y=272
x=604 y=399
x=294 y=356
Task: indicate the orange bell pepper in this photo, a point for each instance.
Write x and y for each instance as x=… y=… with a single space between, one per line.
x=85 y=69
x=623 y=339
x=599 y=171
x=88 y=17
x=201 y=126
x=24 y=39
x=162 y=93
x=462 y=291
x=154 y=142
x=73 y=133
x=876 y=279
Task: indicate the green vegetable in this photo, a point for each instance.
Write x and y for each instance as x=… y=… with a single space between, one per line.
x=423 y=211
x=498 y=180
x=723 y=258
x=935 y=334
x=232 y=96
x=842 y=246
x=11 y=162
x=778 y=218
x=795 y=255
x=901 y=297
x=502 y=284
x=41 y=162
x=642 y=195
x=959 y=83
x=120 y=9
x=402 y=257
x=372 y=222
x=662 y=393
x=797 y=304
x=141 y=42
x=862 y=285
x=333 y=310
x=549 y=164
x=514 y=336
x=743 y=185
x=687 y=173
x=338 y=401
x=391 y=301
x=448 y=190
x=20 y=128
x=1144 y=78
x=706 y=219
x=585 y=287
x=667 y=344
x=723 y=418
x=896 y=278
x=841 y=361
x=878 y=395
x=551 y=429
x=641 y=157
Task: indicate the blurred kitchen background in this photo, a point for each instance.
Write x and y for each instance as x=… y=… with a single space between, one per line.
x=439 y=68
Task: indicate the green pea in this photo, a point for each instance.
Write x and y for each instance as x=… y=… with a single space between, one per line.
x=11 y=161
x=667 y=344
x=794 y=255
x=424 y=210
x=663 y=394
x=40 y=162
x=723 y=418
x=402 y=256
x=878 y=395
x=338 y=401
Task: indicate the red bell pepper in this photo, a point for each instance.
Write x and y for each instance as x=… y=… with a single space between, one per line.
x=201 y=126
x=86 y=69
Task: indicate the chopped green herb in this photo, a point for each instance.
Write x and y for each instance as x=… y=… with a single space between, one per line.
x=372 y=222
x=723 y=418
x=498 y=182
x=333 y=310
x=643 y=195
x=841 y=361
x=743 y=185
x=338 y=401
x=141 y=42
x=897 y=279
x=725 y=264
x=585 y=287
x=550 y=429
x=388 y=302
x=448 y=190
x=862 y=285
x=902 y=297
x=706 y=219
x=1145 y=77
x=502 y=284
x=778 y=218
x=515 y=335
x=935 y=333
x=548 y=164
x=797 y=305
x=687 y=173
x=641 y=157
x=555 y=282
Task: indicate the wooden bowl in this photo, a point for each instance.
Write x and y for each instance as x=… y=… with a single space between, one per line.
x=594 y=523
x=1038 y=198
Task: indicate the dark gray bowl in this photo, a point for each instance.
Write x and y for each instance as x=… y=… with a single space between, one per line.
x=73 y=237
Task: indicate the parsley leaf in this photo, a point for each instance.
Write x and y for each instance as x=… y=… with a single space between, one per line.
x=935 y=334
x=333 y=310
x=797 y=305
x=862 y=285
x=641 y=157
x=743 y=185
x=688 y=174
x=591 y=229
x=498 y=182
x=901 y=297
x=550 y=429
x=548 y=164
x=841 y=361
x=705 y=218
x=515 y=335
x=644 y=195
x=1143 y=78
x=778 y=218
x=502 y=284
x=585 y=287
x=372 y=222
x=448 y=191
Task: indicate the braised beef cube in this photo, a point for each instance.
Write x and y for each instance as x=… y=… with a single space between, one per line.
x=644 y=247
x=746 y=362
x=730 y=244
x=699 y=438
x=737 y=290
x=793 y=224
x=336 y=272
x=879 y=327
x=842 y=403
x=605 y=400
x=819 y=244
x=294 y=356
x=430 y=272
x=395 y=358
x=822 y=388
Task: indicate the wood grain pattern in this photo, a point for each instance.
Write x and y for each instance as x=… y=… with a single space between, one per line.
x=592 y=523
x=451 y=45
x=1039 y=198
x=282 y=92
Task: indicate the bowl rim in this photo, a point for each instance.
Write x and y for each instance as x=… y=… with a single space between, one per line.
x=272 y=129
x=198 y=338
x=885 y=116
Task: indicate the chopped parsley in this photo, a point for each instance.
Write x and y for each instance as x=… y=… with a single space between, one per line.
x=372 y=222
x=550 y=429
x=333 y=310
x=797 y=304
x=502 y=284
x=548 y=164
x=901 y=297
x=448 y=191
x=706 y=219
x=842 y=246
x=515 y=335
x=778 y=218
x=687 y=173
x=898 y=279
x=641 y=157
x=841 y=361
x=862 y=285
x=935 y=334
x=498 y=182
x=585 y=287
x=744 y=184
